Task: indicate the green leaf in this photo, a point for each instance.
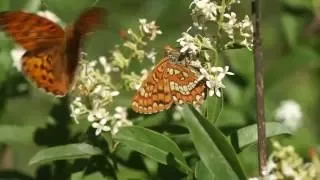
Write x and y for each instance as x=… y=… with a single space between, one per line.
x=213 y=148
x=70 y=151
x=214 y=108
x=231 y=118
x=153 y=145
x=242 y=62
x=17 y=134
x=77 y=176
x=291 y=28
x=299 y=3
x=202 y=172
x=32 y=5
x=248 y=135
x=81 y=176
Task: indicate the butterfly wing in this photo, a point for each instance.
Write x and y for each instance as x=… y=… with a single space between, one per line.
x=89 y=19
x=39 y=66
x=30 y=30
x=185 y=85
x=86 y=23
x=154 y=94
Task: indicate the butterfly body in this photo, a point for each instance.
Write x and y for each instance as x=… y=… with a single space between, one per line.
x=172 y=81
x=52 y=54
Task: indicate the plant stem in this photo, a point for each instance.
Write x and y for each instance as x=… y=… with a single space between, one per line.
x=258 y=67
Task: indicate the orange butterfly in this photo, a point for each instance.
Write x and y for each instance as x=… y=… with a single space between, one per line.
x=173 y=80
x=52 y=54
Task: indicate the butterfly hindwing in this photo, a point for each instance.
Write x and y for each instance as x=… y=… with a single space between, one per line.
x=184 y=84
x=40 y=67
x=30 y=30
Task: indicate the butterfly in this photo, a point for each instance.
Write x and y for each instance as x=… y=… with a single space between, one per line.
x=52 y=53
x=172 y=81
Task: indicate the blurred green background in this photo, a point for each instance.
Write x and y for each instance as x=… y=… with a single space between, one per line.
x=291 y=55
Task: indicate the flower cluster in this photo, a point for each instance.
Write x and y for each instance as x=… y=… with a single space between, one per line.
x=94 y=91
x=285 y=163
x=209 y=11
x=94 y=94
x=151 y=30
x=135 y=46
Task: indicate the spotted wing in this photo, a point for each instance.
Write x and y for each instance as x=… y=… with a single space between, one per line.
x=30 y=30
x=154 y=94
x=185 y=85
x=39 y=67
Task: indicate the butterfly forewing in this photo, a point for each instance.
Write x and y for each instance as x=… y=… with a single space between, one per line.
x=89 y=19
x=170 y=82
x=154 y=94
x=30 y=30
x=75 y=34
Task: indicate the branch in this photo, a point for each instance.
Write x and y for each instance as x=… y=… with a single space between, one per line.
x=258 y=68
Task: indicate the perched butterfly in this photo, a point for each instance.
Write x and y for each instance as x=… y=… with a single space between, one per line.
x=52 y=54
x=173 y=80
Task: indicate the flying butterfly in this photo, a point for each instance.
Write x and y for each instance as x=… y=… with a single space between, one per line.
x=172 y=81
x=52 y=53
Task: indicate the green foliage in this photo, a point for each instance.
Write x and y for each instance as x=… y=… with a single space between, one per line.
x=70 y=152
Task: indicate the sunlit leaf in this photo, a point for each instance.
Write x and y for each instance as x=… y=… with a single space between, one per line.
x=154 y=145
x=248 y=135
x=213 y=148
x=70 y=151
x=202 y=172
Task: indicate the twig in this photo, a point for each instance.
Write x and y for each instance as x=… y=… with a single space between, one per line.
x=258 y=68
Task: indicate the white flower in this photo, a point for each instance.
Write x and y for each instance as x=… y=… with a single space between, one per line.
x=287 y=169
x=230 y=25
x=150 y=28
x=97 y=114
x=290 y=114
x=207 y=8
x=105 y=92
x=187 y=43
x=77 y=109
x=106 y=66
x=101 y=126
x=16 y=55
x=120 y=118
x=144 y=73
x=121 y=113
x=246 y=31
x=271 y=165
x=118 y=124
x=214 y=78
x=49 y=15
x=151 y=55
